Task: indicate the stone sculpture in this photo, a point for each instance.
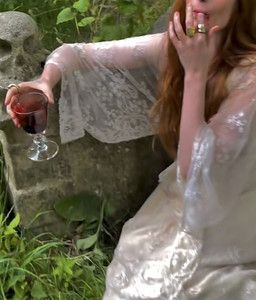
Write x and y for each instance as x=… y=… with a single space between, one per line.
x=21 y=52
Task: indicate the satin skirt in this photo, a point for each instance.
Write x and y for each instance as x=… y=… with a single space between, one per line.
x=157 y=258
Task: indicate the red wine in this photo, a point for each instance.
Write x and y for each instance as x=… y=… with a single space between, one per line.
x=32 y=114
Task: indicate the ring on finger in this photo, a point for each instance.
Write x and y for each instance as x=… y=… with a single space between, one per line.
x=15 y=86
x=201 y=28
x=191 y=31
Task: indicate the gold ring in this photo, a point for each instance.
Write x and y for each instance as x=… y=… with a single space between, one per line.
x=201 y=28
x=191 y=31
x=14 y=85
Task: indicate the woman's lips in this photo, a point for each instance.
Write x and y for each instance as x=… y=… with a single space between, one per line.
x=206 y=14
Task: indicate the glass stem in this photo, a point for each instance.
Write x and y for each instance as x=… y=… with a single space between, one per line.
x=40 y=142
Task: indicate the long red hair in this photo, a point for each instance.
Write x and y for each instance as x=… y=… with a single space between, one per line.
x=239 y=41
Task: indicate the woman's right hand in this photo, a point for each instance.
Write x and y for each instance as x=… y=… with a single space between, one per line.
x=195 y=53
x=24 y=87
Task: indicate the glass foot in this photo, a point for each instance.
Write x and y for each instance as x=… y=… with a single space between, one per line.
x=38 y=153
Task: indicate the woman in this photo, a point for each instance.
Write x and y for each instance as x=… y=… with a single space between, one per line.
x=194 y=237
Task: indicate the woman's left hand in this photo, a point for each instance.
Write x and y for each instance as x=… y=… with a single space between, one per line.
x=195 y=53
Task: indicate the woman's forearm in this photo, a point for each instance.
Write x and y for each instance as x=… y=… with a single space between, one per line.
x=51 y=74
x=192 y=117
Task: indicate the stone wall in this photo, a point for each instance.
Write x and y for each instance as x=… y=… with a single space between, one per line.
x=125 y=173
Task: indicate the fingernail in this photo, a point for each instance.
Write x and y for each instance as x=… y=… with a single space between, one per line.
x=201 y=17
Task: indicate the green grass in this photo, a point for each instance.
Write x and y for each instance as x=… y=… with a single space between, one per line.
x=44 y=266
x=34 y=269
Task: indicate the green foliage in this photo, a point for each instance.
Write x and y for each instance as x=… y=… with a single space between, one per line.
x=89 y=209
x=45 y=267
x=89 y=20
x=95 y=229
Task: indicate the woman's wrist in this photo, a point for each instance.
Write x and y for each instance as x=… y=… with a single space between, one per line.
x=44 y=80
x=195 y=86
x=51 y=75
x=198 y=76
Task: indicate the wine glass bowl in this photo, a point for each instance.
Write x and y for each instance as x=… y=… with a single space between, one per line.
x=31 y=111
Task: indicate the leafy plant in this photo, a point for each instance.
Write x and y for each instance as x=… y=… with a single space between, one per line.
x=43 y=266
x=89 y=20
x=80 y=7
x=87 y=208
x=93 y=231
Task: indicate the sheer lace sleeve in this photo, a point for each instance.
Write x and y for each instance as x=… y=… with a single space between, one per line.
x=108 y=87
x=223 y=154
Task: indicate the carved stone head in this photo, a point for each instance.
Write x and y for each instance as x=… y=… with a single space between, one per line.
x=21 y=54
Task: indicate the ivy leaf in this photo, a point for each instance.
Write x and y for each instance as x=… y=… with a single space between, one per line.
x=37 y=291
x=82 y=5
x=84 y=244
x=65 y=15
x=86 y=21
x=79 y=208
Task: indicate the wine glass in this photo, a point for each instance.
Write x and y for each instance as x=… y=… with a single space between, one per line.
x=31 y=111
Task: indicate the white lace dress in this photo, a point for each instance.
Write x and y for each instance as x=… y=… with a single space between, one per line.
x=193 y=239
